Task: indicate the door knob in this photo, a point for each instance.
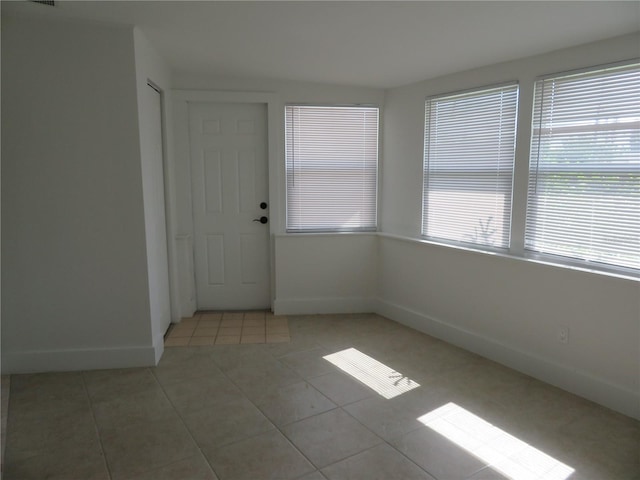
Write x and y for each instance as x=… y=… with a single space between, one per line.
x=262 y=220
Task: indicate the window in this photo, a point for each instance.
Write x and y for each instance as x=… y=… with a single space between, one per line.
x=469 y=148
x=584 y=178
x=331 y=157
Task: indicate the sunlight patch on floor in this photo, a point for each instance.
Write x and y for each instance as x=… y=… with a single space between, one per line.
x=510 y=456
x=375 y=375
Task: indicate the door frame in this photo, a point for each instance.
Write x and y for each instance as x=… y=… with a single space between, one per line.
x=181 y=172
x=166 y=190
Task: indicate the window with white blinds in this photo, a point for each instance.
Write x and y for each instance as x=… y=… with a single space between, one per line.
x=584 y=179
x=469 y=147
x=331 y=157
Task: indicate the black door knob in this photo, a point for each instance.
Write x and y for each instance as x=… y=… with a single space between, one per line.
x=262 y=220
x=263 y=205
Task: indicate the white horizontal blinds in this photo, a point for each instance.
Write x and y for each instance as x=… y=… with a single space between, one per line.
x=468 y=166
x=584 y=179
x=331 y=166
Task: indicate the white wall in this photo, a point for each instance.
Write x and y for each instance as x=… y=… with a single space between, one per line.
x=75 y=271
x=506 y=309
x=313 y=274
x=74 y=277
x=324 y=273
x=150 y=67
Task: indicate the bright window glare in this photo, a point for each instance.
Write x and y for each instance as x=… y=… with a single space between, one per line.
x=375 y=375
x=504 y=453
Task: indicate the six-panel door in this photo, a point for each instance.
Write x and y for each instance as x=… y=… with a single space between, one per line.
x=228 y=144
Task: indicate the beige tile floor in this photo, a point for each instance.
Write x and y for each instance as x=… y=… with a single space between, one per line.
x=283 y=411
x=228 y=328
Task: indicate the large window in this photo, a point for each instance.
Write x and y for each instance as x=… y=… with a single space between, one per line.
x=469 y=148
x=584 y=178
x=331 y=157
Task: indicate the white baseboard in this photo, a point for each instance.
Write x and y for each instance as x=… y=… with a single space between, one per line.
x=69 y=360
x=569 y=379
x=158 y=347
x=310 y=306
x=572 y=380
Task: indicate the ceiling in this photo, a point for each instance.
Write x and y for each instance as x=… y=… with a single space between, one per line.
x=374 y=44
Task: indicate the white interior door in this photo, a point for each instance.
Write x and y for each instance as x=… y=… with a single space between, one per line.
x=228 y=144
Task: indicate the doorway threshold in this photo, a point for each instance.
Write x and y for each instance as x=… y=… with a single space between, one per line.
x=210 y=328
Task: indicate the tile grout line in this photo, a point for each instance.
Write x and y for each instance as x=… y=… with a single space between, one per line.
x=95 y=424
x=276 y=427
x=220 y=325
x=226 y=444
x=341 y=407
x=384 y=441
x=185 y=427
x=5 y=427
x=281 y=431
x=198 y=326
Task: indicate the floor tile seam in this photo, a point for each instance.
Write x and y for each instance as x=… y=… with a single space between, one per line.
x=126 y=476
x=95 y=424
x=238 y=440
x=428 y=472
x=284 y=385
x=329 y=346
x=297 y=351
x=443 y=374
x=9 y=408
x=175 y=462
x=295 y=447
x=348 y=404
x=475 y=472
x=305 y=418
x=222 y=373
x=218 y=335
x=320 y=469
x=303 y=476
x=135 y=390
x=409 y=431
x=388 y=442
x=277 y=427
x=5 y=422
x=290 y=441
x=9 y=388
x=182 y=379
x=182 y=421
x=384 y=442
x=283 y=364
x=344 y=404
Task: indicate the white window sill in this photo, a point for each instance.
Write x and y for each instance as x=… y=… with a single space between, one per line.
x=530 y=259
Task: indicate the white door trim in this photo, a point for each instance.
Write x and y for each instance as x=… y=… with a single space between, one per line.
x=181 y=99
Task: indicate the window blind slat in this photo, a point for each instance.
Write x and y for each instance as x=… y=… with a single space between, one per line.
x=584 y=179
x=468 y=166
x=331 y=162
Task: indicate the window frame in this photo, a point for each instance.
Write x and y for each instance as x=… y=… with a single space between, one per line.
x=507 y=224
x=529 y=211
x=363 y=229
